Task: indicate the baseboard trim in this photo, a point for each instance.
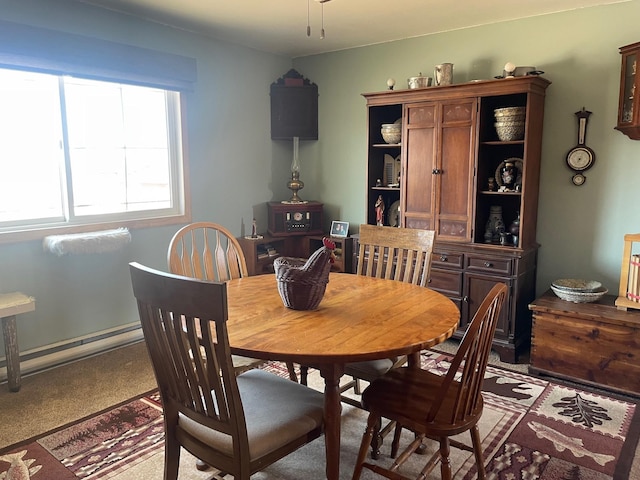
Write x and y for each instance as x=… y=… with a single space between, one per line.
x=56 y=354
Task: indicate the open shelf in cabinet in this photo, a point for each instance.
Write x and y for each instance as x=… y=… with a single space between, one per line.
x=343 y=251
x=254 y=250
x=492 y=154
x=377 y=152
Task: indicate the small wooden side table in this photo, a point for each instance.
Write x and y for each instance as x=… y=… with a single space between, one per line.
x=12 y=304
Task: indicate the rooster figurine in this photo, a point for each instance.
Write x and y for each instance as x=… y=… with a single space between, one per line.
x=301 y=283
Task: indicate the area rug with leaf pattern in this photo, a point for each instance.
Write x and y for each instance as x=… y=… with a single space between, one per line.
x=531 y=428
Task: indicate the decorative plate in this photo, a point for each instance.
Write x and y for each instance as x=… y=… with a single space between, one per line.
x=518 y=164
x=576 y=285
x=579 y=297
x=394 y=214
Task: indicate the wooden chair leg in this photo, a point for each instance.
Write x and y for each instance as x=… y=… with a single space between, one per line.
x=445 y=461
x=356 y=387
x=292 y=372
x=304 y=372
x=477 y=452
x=376 y=440
x=372 y=421
x=395 y=444
x=171 y=459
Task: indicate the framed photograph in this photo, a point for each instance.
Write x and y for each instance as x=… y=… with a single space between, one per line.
x=339 y=229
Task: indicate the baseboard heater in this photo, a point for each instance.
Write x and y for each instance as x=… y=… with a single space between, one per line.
x=56 y=354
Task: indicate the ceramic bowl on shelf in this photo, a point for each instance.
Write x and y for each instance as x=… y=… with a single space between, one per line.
x=419 y=82
x=577 y=296
x=509 y=131
x=509 y=111
x=576 y=285
x=391 y=132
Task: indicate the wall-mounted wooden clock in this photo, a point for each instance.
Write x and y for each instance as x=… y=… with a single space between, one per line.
x=581 y=158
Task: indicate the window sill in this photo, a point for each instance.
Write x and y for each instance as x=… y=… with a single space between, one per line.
x=39 y=234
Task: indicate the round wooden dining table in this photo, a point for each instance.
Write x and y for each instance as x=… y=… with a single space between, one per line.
x=360 y=318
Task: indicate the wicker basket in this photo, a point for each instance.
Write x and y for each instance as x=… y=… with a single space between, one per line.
x=301 y=289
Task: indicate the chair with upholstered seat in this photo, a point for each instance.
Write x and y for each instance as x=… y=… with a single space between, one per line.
x=436 y=406
x=238 y=424
x=208 y=251
x=402 y=254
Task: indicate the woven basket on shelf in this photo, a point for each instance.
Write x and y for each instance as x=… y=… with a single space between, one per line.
x=301 y=282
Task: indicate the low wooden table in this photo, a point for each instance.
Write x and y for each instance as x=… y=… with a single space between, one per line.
x=12 y=304
x=360 y=318
x=591 y=343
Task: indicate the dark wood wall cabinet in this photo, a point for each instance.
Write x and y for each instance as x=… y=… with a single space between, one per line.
x=451 y=161
x=629 y=103
x=591 y=343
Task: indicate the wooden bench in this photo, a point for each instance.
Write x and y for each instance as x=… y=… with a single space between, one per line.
x=12 y=304
x=590 y=343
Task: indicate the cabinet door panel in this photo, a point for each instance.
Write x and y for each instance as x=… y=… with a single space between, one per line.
x=418 y=164
x=455 y=186
x=476 y=288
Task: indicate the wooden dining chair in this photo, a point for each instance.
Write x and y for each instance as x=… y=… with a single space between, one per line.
x=208 y=251
x=436 y=406
x=238 y=424
x=402 y=254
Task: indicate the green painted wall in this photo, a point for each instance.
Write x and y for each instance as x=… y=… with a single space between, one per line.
x=580 y=229
x=235 y=167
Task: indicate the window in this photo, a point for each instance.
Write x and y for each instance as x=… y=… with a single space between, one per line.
x=76 y=152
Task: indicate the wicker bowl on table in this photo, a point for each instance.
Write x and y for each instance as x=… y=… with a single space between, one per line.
x=302 y=282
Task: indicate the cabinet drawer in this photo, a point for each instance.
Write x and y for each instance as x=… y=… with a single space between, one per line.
x=489 y=264
x=447 y=282
x=447 y=260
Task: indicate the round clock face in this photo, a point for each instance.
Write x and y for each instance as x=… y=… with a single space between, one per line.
x=580 y=159
x=578 y=179
x=297 y=216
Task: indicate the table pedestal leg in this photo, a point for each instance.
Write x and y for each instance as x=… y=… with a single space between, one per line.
x=332 y=417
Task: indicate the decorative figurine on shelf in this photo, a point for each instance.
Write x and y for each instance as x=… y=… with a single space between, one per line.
x=509 y=175
x=380 y=211
x=378 y=182
x=514 y=229
x=495 y=225
x=391 y=83
x=254 y=229
x=491 y=184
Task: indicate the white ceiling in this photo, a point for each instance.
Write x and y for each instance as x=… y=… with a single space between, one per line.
x=280 y=26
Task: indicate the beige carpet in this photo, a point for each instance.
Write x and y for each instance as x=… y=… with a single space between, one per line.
x=61 y=395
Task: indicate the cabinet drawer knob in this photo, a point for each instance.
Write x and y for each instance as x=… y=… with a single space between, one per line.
x=488 y=264
x=465 y=299
x=443 y=258
x=436 y=171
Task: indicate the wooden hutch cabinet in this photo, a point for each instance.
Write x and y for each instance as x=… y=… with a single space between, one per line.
x=629 y=106
x=448 y=152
